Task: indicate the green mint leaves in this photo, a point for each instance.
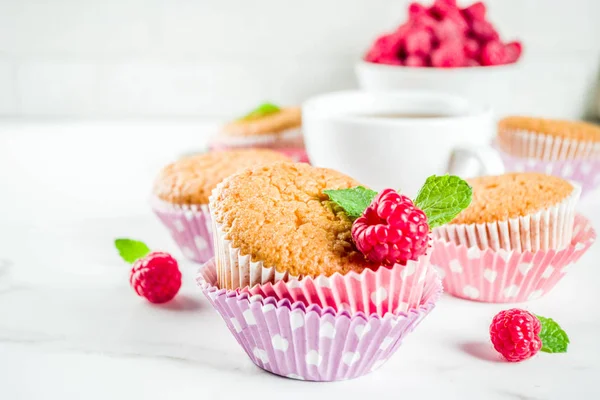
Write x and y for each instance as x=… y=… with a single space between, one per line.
x=554 y=339
x=261 y=111
x=354 y=201
x=442 y=198
x=131 y=250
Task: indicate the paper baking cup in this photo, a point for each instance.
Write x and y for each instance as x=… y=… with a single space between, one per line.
x=585 y=172
x=310 y=343
x=505 y=277
x=392 y=290
x=291 y=138
x=386 y=289
x=522 y=143
x=189 y=226
x=551 y=228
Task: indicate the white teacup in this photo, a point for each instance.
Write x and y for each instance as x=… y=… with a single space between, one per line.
x=398 y=139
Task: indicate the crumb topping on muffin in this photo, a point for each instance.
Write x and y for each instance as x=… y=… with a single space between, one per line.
x=499 y=198
x=191 y=180
x=576 y=130
x=279 y=215
x=278 y=122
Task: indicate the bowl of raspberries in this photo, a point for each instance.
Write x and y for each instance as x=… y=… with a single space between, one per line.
x=443 y=47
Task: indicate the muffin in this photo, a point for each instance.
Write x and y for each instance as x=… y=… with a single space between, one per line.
x=267 y=126
x=515 y=241
x=516 y=211
x=567 y=149
x=275 y=223
x=549 y=139
x=182 y=189
x=290 y=282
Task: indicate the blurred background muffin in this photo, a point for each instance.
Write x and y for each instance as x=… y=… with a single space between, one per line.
x=182 y=189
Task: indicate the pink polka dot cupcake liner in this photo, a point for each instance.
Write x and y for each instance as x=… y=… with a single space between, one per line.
x=386 y=290
x=189 y=226
x=380 y=291
x=586 y=172
x=500 y=276
x=308 y=342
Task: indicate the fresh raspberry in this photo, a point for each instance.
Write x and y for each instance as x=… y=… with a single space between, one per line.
x=484 y=31
x=493 y=53
x=416 y=10
x=448 y=55
x=440 y=8
x=457 y=18
x=415 y=61
x=475 y=11
x=390 y=60
x=391 y=230
x=418 y=42
x=385 y=48
x=513 y=52
x=472 y=63
x=516 y=334
x=448 y=30
x=156 y=277
x=471 y=48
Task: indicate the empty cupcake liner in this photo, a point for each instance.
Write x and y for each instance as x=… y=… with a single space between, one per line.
x=523 y=143
x=189 y=226
x=386 y=289
x=378 y=292
x=502 y=276
x=291 y=138
x=551 y=228
x=583 y=171
x=311 y=343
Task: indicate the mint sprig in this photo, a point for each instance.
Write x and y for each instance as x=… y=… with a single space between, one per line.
x=131 y=250
x=354 y=201
x=261 y=111
x=554 y=338
x=442 y=198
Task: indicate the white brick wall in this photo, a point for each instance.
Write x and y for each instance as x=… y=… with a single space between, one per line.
x=218 y=57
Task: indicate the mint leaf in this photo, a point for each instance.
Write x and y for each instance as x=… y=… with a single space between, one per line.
x=261 y=111
x=130 y=250
x=354 y=201
x=554 y=339
x=442 y=198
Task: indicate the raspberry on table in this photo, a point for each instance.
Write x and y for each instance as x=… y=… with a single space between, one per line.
x=484 y=31
x=156 y=277
x=391 y=230
x=515 y=334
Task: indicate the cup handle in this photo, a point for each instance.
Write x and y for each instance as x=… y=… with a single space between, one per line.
x=471 y=161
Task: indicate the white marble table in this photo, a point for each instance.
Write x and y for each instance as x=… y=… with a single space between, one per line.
x=71 y=327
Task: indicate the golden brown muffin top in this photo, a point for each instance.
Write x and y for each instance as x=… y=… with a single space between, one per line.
x=191 y=180
x=279 y=215
x=499 y=198
x=577 y=130
x=278 y=122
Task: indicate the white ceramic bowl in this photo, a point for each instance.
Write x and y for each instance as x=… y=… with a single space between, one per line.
x=483 y=85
